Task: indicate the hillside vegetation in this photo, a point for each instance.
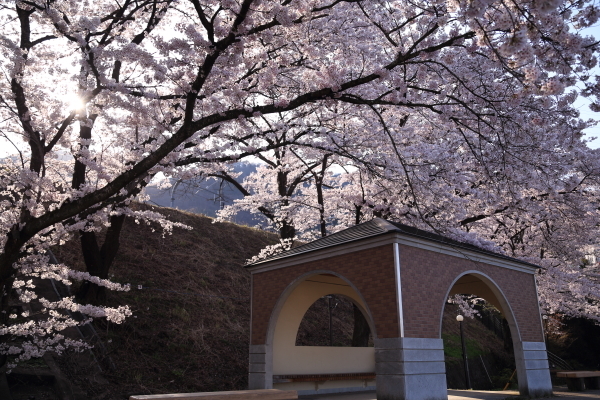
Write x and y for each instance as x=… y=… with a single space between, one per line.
x=190 y=328
x=490 y=356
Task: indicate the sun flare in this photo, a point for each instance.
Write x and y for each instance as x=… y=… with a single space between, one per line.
x=74 y=102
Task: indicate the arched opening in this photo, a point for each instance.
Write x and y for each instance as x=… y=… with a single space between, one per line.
x=488 y=344
x=490 y=334
x=291 y=361
x=334 y=320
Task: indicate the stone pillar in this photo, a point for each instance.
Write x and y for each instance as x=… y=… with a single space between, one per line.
x=533 y=370
x=410 y=369
x=260 y=371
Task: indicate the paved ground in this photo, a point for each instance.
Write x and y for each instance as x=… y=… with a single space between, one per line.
x=560 y=393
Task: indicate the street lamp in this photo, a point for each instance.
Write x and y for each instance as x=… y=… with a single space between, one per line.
x=460 y=319
x=329 y=297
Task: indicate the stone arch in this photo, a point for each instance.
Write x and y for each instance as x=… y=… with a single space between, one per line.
x=300 y=294
x=527 y=354
x=487 y=289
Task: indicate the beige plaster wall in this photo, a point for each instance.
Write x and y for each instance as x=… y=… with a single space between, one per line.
x=472 y=284
x=289 y=359
x=323 y=385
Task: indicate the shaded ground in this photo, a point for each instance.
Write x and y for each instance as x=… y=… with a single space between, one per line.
x=560 y=393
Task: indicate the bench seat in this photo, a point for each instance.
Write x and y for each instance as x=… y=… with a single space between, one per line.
x=261 y=394
x=367 y=376
x=578 y=374
x=578 y=381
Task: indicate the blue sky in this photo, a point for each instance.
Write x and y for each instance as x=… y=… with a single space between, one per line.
x=583 y=104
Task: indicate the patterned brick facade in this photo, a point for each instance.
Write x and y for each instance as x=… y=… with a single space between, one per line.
x=427 y=276
x=370 y=271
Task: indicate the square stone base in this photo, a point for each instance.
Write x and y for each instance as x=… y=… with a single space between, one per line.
x=410 y=369
x=534 y=372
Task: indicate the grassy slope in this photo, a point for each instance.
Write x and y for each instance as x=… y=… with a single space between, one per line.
x=190 y=326
x=483 y=348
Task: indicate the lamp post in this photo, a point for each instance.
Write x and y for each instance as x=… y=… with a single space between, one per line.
x=545 y=327
x=331 y=307
x=460 y=319
x=329 y=297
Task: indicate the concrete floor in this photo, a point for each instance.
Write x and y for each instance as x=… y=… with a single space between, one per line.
x=560 y=393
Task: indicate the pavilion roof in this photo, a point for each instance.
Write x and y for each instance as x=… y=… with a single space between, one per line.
x=377 y=227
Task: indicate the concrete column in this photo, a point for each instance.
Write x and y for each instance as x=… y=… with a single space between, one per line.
x=260 y=371
x=410 y=369
x=533 y=370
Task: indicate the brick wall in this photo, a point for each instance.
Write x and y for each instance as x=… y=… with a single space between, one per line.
x=427 y=276
x=371 y=271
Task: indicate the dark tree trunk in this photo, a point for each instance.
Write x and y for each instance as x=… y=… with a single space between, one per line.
x=360 y=336
x=321 y=202
x=357 y=214
x=506 y=336
x=287 y=231
x=319 y=177
x=99 y=260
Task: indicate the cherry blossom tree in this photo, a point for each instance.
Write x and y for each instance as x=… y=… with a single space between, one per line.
x=288 y=182
x=459 y=108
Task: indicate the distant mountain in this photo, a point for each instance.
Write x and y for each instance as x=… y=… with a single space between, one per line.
x=205 y=196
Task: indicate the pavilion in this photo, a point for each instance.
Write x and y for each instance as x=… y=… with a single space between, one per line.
x=400 y=278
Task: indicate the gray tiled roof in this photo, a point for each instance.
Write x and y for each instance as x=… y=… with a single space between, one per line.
x=376 y=227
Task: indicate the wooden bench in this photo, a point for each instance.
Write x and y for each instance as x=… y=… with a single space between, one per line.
x=262 y=394
x=368 y=376
x=581 y=380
